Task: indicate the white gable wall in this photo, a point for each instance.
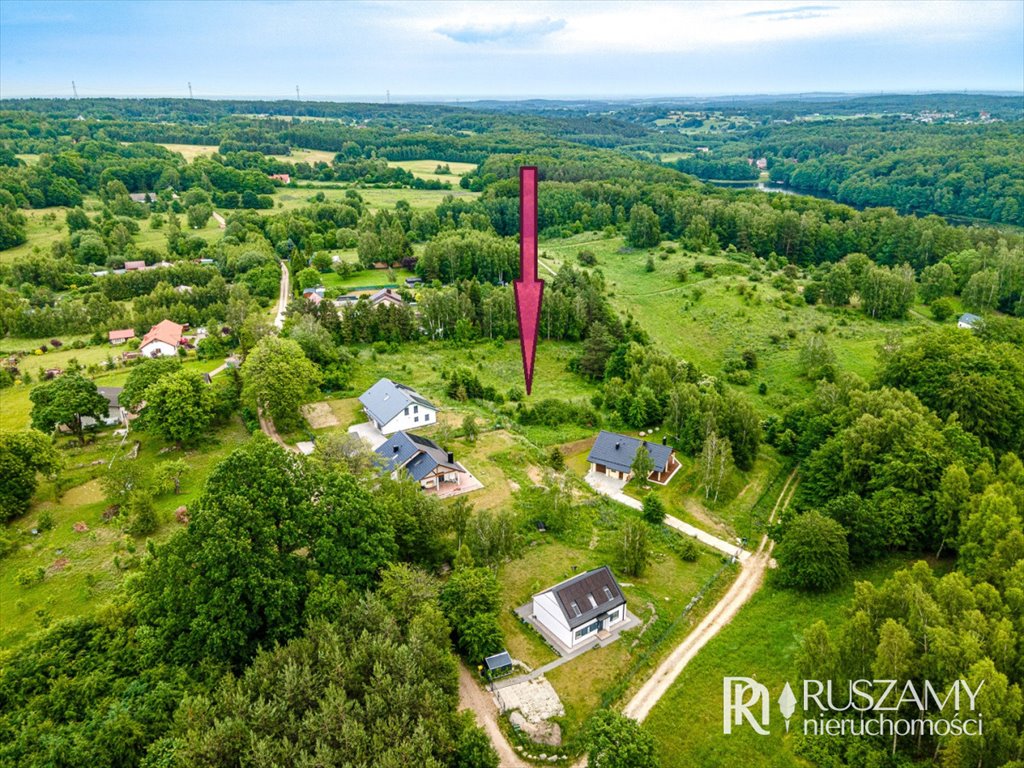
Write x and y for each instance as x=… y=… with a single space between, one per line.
x=548 y=613
x=156 y=348
x=416 y=416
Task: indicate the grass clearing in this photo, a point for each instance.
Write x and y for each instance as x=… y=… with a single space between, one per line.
x=762 y=642
x=191 y=151
x=85 y=569
x=709 y=321
x=426 y=169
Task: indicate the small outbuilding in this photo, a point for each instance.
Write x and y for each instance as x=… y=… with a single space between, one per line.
x=968 y=321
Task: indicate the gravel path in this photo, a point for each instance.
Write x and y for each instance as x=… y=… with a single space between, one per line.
x=282 y=297
x=749 y=581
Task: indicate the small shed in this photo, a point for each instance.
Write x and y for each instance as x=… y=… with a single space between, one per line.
x=498 y=665
x=968 y=321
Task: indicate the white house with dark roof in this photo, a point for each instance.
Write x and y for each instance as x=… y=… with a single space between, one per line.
x=393 y=407
x=968 y=321
x=424 y=461
x=115 y=413
x=613 y=455
x=581 y=609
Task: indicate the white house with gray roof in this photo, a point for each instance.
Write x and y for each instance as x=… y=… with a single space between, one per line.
x=394 y=407
x=424 y=461
x=581 y=609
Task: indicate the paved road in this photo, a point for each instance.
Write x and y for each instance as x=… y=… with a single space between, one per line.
x=282 y=297
x=749 y=581
x=612 y=488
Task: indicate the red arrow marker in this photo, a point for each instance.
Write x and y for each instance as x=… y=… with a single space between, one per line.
x=528 y=289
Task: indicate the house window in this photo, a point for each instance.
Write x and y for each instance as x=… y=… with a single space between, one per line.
x=415 y=409
x=575 y=608
x=584 y=631
x=613 y=617
x=406 y=410
x=608 y=593
x=415 y=418
x=426 y=417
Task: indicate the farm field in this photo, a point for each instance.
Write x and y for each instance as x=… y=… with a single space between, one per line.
x=191 y=151
x=289 y=198
x=424 y=169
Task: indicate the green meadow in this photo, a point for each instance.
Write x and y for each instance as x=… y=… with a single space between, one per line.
x=761 y=642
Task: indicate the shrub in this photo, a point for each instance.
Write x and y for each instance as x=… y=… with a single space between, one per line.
x=942 y=309
x=28 y=577
x=556 y=459
x=586 y=258
x=813 y=553
x=654 y=509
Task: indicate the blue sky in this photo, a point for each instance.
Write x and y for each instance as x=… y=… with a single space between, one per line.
x=468 y=50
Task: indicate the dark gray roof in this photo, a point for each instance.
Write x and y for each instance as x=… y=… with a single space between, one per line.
x=617 y=451
x=113 y=395
x=585 y=597
x=386 y=399
x=498 y=661
x=418 y=455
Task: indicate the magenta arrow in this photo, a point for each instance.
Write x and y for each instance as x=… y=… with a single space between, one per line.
x=529 y=290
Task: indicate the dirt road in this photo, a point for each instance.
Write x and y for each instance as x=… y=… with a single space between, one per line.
x=282 y=297
x=220 y=220
x=472 y=696
x=749 y=581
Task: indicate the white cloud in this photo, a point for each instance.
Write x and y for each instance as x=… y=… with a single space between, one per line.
x=668 y=27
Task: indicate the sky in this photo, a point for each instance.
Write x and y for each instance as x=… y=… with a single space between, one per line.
x=467 y=50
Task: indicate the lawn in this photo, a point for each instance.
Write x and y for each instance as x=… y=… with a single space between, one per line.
x=45 y=226
x=732 y=514
x=85 y=569
x=15 y=405
x=761 y=642
x=496 y=364
x=365 y=279
x=585 y=683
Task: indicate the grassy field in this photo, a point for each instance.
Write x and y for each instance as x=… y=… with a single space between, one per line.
x=191 y=151
x=365 y=279
x=761 y=642
x=708 y=321
x=424 y=169
x=85 y=569
x=664 y=590
x=45 y=226
x=310 y=156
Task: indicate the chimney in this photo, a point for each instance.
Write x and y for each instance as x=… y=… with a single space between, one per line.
x=664 y=440
x=394 y=449
x=451 y=457
x=617 y=444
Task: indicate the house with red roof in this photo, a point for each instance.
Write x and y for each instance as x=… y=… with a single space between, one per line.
x=163 y=339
